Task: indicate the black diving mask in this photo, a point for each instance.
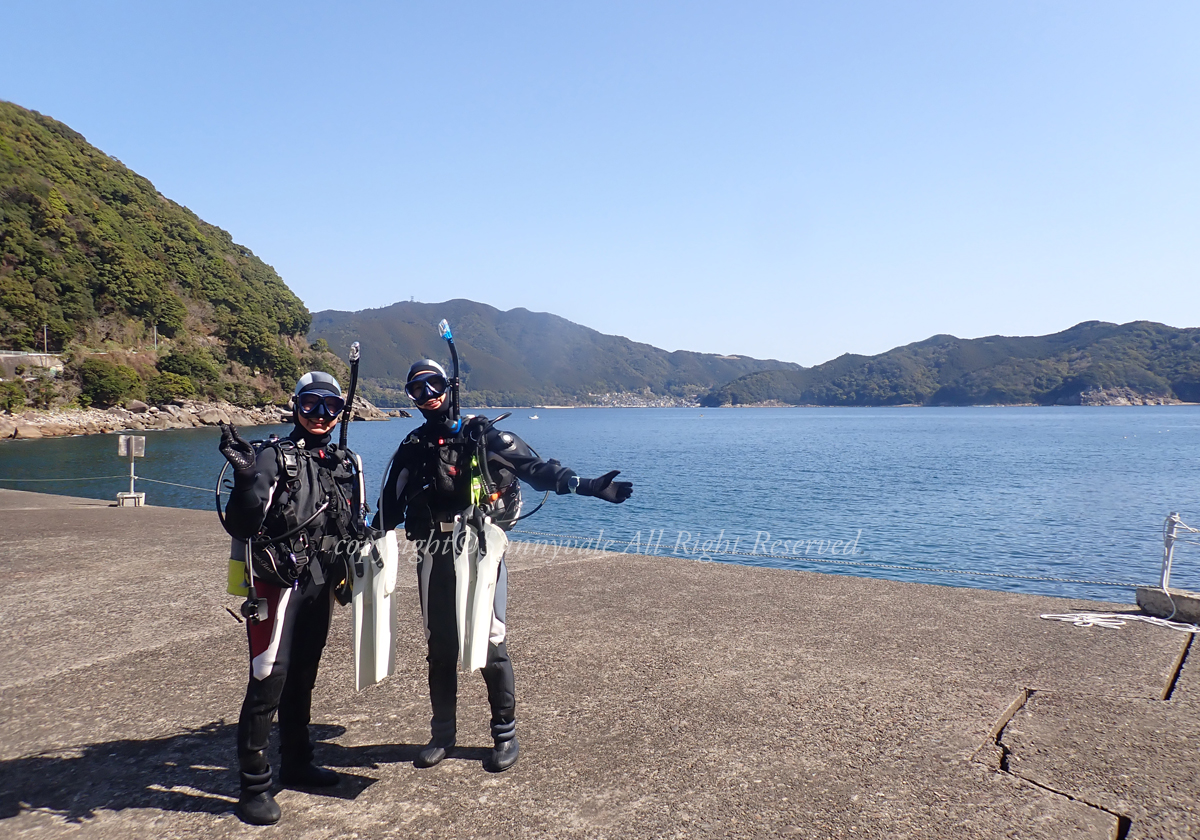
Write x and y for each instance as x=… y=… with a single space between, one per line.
x=315 y=403
x=425 y=387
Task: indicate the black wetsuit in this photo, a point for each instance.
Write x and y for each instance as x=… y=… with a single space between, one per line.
x=285 y=648
x=427 y=485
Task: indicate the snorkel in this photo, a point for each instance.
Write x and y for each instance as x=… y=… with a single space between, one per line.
x=349 y=409
x=453 y=420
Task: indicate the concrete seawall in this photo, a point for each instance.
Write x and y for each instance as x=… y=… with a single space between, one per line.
x=657 y=697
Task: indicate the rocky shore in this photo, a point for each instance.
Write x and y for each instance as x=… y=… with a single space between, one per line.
x=1122 y=396
x=138 y=416
x=626 y=399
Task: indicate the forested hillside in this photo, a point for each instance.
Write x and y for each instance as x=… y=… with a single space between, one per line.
x=93 y=259
x=520 y=357
x=1093 y=362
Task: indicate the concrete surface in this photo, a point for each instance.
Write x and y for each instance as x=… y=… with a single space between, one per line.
x=1172 y=604
x=657 y=697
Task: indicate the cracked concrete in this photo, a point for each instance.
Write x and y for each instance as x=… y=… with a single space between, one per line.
x=1126 y=755
x=657 y=697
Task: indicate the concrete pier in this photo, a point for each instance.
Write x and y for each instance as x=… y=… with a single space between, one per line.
x=657 y=697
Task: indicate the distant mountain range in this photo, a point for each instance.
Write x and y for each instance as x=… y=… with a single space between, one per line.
x=1091 y=363
x=520 y=357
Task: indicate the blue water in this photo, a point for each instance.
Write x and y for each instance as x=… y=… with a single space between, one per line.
x=1033 y=492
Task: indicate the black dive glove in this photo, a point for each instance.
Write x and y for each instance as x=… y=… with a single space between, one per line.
x=605 y=488
x=237 y=451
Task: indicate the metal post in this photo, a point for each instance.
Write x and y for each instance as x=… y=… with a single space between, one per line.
x=1170 y=533
x=46 y=337
x=135 y=447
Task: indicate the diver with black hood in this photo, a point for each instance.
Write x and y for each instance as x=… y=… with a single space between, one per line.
x=294 y=501
x=449 y=470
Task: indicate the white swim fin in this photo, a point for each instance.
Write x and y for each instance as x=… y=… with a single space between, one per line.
x=477 y=555
x=375 y=611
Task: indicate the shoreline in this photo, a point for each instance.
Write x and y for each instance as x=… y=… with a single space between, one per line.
x=34 y=424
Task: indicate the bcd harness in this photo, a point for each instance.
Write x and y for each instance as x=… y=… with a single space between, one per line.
x=454 y=475
x=287 y=548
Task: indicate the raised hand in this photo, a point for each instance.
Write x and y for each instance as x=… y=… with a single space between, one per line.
x=237 y=451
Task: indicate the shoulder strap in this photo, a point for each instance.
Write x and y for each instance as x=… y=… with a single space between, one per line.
x=289 y=455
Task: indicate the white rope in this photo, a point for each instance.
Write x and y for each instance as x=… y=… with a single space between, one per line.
x=1187 y=527
x=1112 y=622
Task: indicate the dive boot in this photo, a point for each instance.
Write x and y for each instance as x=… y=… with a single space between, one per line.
x=307 y=775
x=502 y=756
x=255 y=805
x=433 y=752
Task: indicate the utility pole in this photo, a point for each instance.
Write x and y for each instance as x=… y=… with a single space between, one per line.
x=46 y=338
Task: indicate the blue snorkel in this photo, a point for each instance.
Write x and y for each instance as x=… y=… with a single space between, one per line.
x=454 y=423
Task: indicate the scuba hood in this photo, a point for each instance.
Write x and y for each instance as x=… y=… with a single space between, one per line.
x=440 y=414
x=309 y=440
x=429 y=371
x=316 y=381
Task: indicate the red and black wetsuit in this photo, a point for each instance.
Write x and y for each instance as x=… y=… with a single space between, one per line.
x=285 y=649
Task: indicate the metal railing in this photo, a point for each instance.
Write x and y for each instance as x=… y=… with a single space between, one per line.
x=1171 y=537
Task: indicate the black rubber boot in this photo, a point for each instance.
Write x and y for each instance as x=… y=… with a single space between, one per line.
x=443 y=727
x=504 y=754
x=307 y=775
x=256 y=805
x=434 y=752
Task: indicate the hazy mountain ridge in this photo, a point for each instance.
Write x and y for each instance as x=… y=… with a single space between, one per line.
x=1092 y=362
x=519 y=357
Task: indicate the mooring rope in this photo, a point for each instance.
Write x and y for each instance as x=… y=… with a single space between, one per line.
x=1112 y=622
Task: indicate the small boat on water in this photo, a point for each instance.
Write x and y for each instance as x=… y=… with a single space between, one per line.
x=533 y=417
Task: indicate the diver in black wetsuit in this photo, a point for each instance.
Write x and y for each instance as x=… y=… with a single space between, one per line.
x=297 y=498
x=428 y=484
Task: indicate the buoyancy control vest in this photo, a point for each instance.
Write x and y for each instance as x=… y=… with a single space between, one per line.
x=314 y=516
x=451 y=472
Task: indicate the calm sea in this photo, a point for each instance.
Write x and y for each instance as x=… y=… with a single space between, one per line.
x=1019 y=492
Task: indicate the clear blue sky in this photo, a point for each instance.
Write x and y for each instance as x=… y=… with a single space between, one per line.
x=794 y=180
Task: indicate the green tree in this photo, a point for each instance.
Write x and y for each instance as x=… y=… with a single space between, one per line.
x=42 y=390
x=168 y=386
x=197 y=364
x=12 y=396
x=105 y=383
